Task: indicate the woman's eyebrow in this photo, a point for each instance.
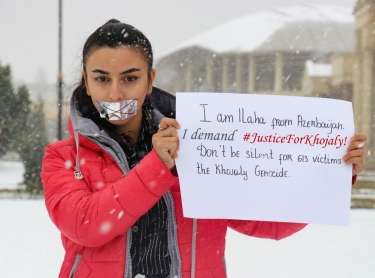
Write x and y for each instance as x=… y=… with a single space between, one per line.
x=100 y=71
x=121 y=73
x=130 y=70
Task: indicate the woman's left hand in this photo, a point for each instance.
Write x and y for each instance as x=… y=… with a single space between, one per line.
x=166 y=142
x=355 y=153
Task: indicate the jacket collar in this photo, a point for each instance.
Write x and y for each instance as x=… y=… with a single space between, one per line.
x=164 y=106
x=88 y=134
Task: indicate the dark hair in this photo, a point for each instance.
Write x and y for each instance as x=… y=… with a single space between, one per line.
x=115 y=33
x=112 y=34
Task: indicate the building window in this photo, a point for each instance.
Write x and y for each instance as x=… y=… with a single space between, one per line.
x=264 y=72
x=293 y=70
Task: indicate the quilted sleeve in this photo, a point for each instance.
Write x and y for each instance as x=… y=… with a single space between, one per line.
x=93 y=219
x=264 y=229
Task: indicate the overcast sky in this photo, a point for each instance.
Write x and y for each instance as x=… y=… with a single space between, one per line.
x=29 y=30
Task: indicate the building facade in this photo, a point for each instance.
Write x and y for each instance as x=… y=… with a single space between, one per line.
x=332 y=59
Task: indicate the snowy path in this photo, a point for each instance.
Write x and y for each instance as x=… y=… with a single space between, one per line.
x=30 y=247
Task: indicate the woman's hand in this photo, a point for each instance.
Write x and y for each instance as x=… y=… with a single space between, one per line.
x=355 y=153
x=166 y=142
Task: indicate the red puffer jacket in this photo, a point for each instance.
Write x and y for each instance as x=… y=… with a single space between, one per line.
x=95 y=212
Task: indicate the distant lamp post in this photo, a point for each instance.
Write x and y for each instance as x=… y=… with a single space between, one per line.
x=60 y=77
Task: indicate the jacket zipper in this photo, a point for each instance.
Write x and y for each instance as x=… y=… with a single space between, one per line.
x=172 y=230
x=75 y=265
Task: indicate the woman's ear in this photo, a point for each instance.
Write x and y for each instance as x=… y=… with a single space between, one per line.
x=151 y=81
x=85 y=81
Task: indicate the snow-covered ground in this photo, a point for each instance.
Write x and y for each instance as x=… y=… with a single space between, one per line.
x=11 y=174
x=30 y=247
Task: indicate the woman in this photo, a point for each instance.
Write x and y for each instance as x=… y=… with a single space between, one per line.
x=112 y=188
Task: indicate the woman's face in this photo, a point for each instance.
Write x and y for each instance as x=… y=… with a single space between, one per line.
x=117 y=74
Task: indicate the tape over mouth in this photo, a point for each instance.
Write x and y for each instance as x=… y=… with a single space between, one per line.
x=119 y=110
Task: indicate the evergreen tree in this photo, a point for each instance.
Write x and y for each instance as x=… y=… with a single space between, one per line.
x=8 y=109
x=22 y=103
x=22 y=129
x=32 y=149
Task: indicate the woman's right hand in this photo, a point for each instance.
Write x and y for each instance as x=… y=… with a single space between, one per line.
x=166 y=142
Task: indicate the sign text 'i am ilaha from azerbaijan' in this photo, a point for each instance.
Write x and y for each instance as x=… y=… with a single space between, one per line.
x=263 y=157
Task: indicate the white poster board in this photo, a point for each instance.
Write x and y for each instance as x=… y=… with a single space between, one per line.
x=264 y=157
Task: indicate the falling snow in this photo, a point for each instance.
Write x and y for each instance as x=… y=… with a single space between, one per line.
x=105 y=227
x=152 y=184
x=120 y=214
x=99 y=185
x=68 y=164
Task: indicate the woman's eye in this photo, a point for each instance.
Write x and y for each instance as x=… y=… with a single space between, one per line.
x=130 y=78
x=101 y=79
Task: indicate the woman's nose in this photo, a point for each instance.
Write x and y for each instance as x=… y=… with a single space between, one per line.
x=116 y=93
